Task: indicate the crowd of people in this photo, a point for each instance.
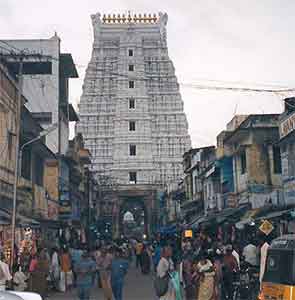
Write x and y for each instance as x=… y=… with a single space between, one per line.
x=199 y=268
x=60 y=270
x=210 y=268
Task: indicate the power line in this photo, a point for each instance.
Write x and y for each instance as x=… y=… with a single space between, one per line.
x=190 y=85
x=238 y=89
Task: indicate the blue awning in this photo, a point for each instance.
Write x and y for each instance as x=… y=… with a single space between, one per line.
x=168 y=229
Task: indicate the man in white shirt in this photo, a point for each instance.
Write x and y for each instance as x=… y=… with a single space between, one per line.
x=251 y=255
x=263 y=256
x=236 y=255
x=4 y=274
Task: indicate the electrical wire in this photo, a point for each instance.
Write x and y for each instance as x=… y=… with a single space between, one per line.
x=189 y=85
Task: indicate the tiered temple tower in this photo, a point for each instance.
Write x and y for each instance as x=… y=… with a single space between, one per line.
x=131 y=111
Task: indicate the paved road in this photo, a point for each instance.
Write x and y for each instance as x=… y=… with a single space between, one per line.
x=137 y=287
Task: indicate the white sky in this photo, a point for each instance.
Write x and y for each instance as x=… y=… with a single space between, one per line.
x=233 y=41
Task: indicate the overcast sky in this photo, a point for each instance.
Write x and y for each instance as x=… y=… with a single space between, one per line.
x=247 y=42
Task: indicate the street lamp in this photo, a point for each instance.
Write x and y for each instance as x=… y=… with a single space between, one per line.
x=17 y=173
x=42 y=133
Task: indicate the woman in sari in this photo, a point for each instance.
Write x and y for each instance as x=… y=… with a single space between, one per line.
x=145 y=261
x=165 y=268
x=39 y=275
x=205 y=278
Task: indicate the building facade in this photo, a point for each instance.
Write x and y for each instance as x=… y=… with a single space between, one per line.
x=47 y=91
x=287 y=146
x=131 y=111
x=251 y=151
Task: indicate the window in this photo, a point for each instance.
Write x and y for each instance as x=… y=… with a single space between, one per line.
x=132 y=177
x=243 y=162
x=277 y=163
x=131 y=103
x=131 y=68
x=26 y=163
x=38 y=170
x=131 y=84
x=131 y=126
x=10 y=144
x=132 y=150
x=130 y=52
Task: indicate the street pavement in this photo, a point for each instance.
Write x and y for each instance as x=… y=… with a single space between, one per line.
x=137 y=287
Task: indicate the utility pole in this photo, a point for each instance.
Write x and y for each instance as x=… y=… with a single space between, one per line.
x=16 y=171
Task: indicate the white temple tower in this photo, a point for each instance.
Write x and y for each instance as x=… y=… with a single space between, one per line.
x=131 y=111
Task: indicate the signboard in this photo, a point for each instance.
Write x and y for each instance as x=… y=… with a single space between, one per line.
x=188 y=234
x=287 y=126
x=53 y=209
x=266 y=227
x=210 y=171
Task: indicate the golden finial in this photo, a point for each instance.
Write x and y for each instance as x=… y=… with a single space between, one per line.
x=150 y=18
x=114 y=18
x=135 y=18
x=144 y=18
x=123 y=18
x=155 y=18
x=139 y=18
x=119 y=18
x=109 y=18
x=129 y=17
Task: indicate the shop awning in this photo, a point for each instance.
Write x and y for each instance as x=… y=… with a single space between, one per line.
x=23 y=221
x=259 y=214
x=247 y=219
x=196 y=223
x=229 y=215
x=167 y=229
x=274 y=214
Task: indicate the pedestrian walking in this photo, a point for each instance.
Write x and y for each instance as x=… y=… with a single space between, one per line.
x=19 y=280
x=76 y=254
x=85 y=268
x=205 y=279
x=66 y=275
x=138 y=250
x=218 y=266
x=230 y=268
x=250 y=253
x=263 y=256
x=55 y=268
x=119 y=268
x=104 y=262
x=165 y=268
x=145 y=261
x=187 y=275
x=39 y=274
x=5 y=275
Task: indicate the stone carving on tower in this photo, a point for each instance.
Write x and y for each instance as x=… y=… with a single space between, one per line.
x=131 y=110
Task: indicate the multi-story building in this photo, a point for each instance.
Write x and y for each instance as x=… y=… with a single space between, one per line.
x=287 y=146
x=8 y=107
x=32 y=196
x=131 y=111
x=201 y=181
x=47 y=91
x=256 y=161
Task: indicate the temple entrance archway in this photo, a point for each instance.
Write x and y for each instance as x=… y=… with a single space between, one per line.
x=140 y=201
x=133 y=217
